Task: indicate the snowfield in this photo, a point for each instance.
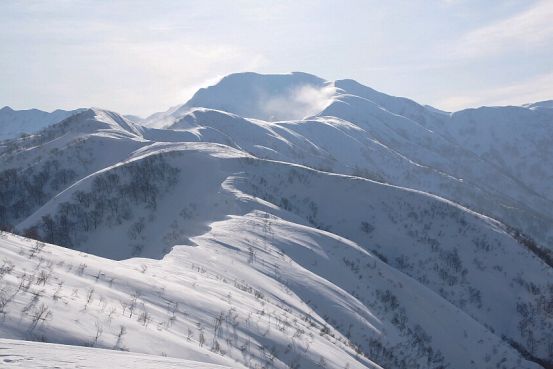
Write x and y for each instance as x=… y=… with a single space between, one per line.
x=25 y=354
x=353 y=230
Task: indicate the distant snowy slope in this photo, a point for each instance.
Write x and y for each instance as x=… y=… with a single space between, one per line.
x=516 y=140
x=424 y=115
x=16 y=122
x=360 y=131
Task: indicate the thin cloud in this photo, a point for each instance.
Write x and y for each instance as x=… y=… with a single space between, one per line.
x=532 y=28
x=532 y=90
x=298 y=103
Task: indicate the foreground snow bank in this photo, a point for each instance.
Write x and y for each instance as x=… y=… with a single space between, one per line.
x=25 y=354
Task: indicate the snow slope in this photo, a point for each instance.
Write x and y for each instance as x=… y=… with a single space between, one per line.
x=352 y=129
x=280 y=303
x=286 y=221
x=430 y=240
x=25 y=354
x=355 y=136
x=515 y=139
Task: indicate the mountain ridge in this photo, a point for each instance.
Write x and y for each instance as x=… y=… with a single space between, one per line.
x=290 y=222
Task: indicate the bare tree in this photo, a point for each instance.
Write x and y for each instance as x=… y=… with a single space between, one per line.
x=89 y=297
x=42 y=278
x=145 y=318
x=111 y=311
x=99 y=331
x=39 y=316
x=119 y=342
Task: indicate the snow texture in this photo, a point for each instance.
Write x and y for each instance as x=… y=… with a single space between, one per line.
x=281 y=221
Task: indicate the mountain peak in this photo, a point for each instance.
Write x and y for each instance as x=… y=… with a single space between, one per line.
x=245 y=77
x=105 y=119
x=268 y=97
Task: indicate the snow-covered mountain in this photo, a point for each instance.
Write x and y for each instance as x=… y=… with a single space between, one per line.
x=548 y=104
x=286 y=221
x=14 y=123
x=360 y=131
x=251 y=95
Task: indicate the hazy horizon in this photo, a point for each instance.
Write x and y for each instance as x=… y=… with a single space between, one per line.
x=140 y=58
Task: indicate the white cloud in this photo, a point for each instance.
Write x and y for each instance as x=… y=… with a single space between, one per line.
x=532 y=28
x=300 y=102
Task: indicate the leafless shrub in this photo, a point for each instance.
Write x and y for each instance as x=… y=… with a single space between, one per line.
x=145 y=318
x=42 y=278
x=98 y=334
x=56 y=296
x=89 y=297
x=39 y=316
x=120 y=334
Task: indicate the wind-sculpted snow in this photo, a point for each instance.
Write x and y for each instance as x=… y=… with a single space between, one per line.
x=368 y=134
x=462 y=256
x=469 y=262
x=268 y=297
x=394 y=140
x=353 y=229
x=195 y=307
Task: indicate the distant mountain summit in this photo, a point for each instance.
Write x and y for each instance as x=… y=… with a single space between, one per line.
x=293 y=96
x=270 y=97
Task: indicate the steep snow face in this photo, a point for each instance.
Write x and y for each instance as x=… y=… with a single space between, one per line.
x=426 y=116
x=13 y=123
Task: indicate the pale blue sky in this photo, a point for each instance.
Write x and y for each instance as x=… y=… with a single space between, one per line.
x=141 y=57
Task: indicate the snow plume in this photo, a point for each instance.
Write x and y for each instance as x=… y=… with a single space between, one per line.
x=297 y=103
